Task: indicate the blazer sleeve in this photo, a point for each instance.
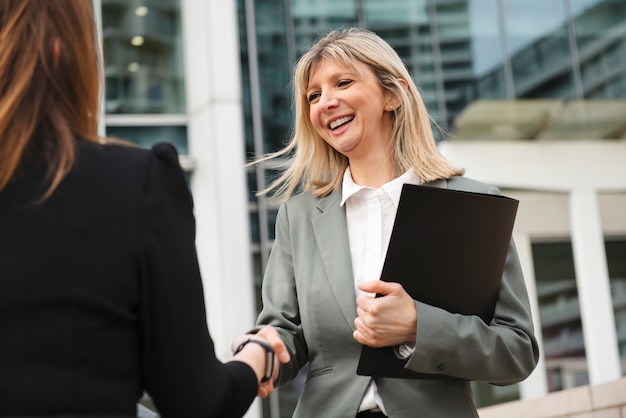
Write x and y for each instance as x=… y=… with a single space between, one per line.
x=505 y=351
x=179 y=365
x=280 y=299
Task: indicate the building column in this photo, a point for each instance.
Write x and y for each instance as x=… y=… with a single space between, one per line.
x=218 y=182
x=536 y=385
x=594 y=293
x=216 y=144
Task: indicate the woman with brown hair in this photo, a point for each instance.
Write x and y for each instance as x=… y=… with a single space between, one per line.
x=101 y=297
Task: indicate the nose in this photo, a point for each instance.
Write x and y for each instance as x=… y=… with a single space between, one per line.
x=328 y=101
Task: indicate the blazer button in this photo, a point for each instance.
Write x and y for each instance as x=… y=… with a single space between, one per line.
x=441 y=366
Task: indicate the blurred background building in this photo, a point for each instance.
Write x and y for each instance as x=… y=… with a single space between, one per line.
x=531 y=96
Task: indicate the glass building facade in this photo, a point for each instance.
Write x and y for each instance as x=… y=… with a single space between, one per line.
x=458 y=51
x=144 y=78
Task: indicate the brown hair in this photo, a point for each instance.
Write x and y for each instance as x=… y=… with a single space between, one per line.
x=50 y=63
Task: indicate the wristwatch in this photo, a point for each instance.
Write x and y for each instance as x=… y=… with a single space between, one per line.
x=269 y=357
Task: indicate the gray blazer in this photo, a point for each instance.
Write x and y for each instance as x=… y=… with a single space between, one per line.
x=308 y=294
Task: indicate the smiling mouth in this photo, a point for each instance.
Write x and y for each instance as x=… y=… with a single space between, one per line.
x=340 y=122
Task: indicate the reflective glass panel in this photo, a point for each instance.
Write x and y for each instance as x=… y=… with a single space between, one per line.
x=143 y=56
x=601 y=39
x=406 y=27
x=486 y=49
x=395 y=13
x=616 y=260
x=538 y=47
x=559 y=310
x=455 y=65
x=146 y=136
x=274 y=73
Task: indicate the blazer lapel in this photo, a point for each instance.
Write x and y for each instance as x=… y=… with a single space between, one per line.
x=331 y=234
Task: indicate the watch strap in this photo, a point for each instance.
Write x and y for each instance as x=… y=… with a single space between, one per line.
x=269 y=358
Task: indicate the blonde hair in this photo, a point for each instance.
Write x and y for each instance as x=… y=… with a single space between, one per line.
x=50 y=86
x=315 y=166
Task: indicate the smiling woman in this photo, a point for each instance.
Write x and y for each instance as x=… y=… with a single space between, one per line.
x=362 y=131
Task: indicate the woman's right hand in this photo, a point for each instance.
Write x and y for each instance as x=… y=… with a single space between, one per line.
x=256 y=356
x=281 y=353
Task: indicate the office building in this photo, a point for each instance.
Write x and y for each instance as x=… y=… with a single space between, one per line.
x=531 y=93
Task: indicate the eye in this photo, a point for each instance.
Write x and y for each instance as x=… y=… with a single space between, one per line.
x=344 y=83
x=313 y=97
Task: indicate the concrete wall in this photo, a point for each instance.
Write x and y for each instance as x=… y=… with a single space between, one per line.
x=607 y=400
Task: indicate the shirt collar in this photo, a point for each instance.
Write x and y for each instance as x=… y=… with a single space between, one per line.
x=392 y=188
x=349 y=187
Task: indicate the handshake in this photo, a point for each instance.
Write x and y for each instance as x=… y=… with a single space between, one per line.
x=263 y=351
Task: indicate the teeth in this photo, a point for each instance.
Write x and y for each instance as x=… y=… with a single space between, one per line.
x=336 y=123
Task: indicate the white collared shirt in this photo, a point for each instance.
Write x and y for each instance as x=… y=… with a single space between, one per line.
x=370 y=214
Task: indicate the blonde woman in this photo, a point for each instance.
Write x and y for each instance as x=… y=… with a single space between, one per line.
x=361 y=131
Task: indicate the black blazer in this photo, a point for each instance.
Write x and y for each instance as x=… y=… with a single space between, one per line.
x=100 y=293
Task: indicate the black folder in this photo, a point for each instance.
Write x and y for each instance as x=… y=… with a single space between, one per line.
x=448 y=249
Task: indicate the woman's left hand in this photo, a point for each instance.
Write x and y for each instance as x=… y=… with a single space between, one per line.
x=385 y=321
